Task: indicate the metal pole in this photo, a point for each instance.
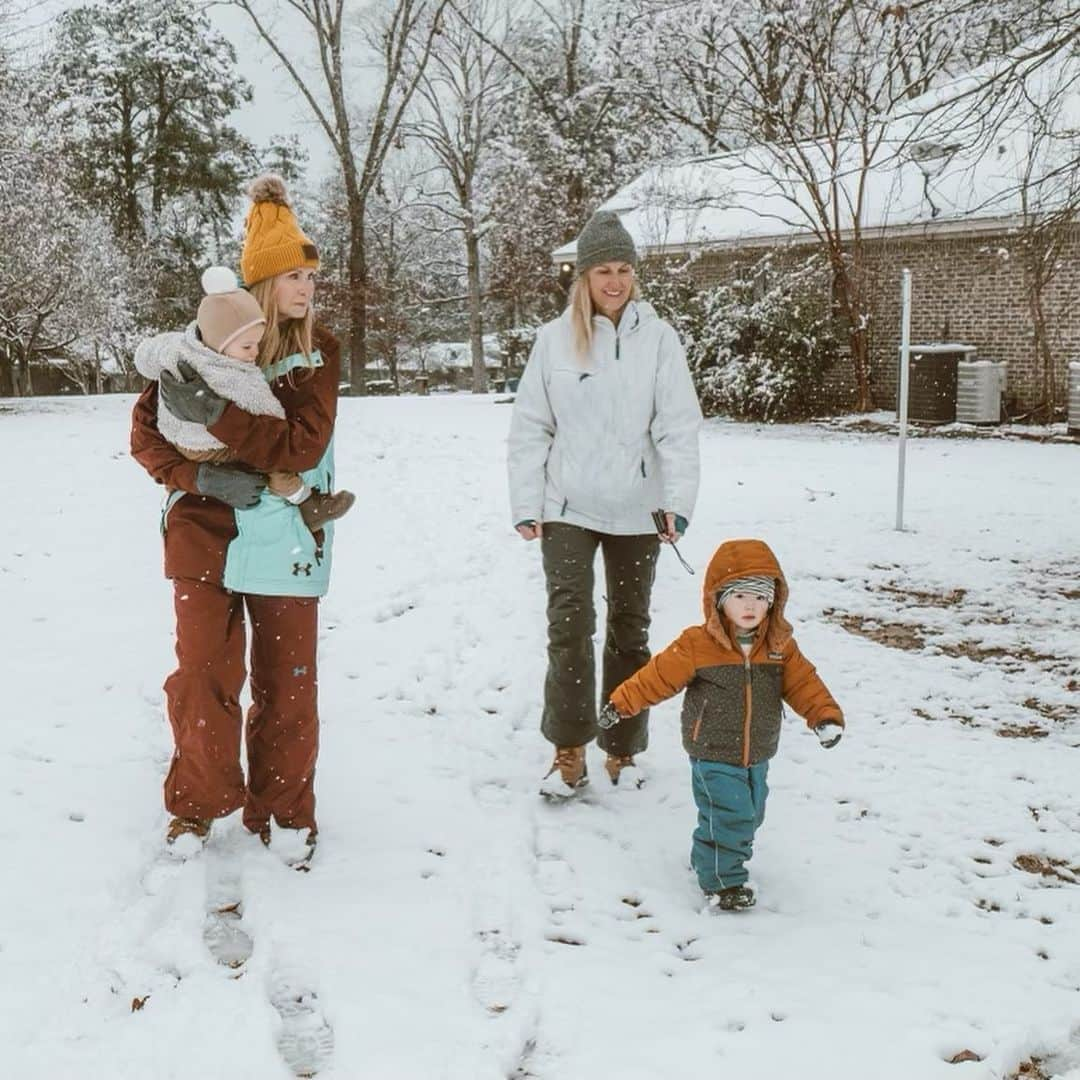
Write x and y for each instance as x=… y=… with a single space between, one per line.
x=905 y=356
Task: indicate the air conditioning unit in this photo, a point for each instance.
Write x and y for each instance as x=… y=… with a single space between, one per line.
x=980 y=388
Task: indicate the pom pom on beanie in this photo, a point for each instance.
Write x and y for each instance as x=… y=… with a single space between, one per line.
x=218 y=279
x=268 y=188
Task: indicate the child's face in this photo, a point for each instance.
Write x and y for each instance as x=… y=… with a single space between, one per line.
x=246 y=346
x=745 y=610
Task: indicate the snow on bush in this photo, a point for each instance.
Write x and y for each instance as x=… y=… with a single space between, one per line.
x=759 y=345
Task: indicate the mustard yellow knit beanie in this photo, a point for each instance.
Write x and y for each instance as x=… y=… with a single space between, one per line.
x=273 y=241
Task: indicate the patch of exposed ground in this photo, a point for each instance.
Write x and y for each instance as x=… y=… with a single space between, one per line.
x=1060 y=713
x=870 y=426
x=1032 y=1069
x=924 y=599
x=912 y=638
x=1021 y=731
x=969 y=616
x=894 y=635
x=1045 y=866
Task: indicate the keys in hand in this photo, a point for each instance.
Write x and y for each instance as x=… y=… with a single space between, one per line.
x=609 y=716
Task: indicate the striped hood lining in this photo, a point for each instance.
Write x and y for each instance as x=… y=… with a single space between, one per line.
x=759 y=585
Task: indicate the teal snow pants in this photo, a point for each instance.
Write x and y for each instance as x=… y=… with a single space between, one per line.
x=731 y=806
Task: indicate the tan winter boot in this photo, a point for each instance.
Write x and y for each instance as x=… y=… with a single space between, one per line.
x=622 y=766
x=317 y=509
x=187 y=826
x=568 y=772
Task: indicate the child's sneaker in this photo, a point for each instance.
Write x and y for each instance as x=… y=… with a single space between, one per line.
x=568 y=772
x=735 y=898
x=317 y=509
x=622 y=767
x=187 y=835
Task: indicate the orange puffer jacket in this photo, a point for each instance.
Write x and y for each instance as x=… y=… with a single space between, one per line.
x=734 y=703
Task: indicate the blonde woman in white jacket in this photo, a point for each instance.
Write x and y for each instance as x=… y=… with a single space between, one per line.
x=604 y=432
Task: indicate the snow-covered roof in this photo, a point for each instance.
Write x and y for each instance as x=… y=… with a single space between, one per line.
x=933 y=169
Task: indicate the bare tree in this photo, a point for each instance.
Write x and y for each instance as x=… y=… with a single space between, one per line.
x=401 y=34
x=409 y=247
x=671 y=62
x=553 y=56
x=1048 y=191
x=823 y=89
x=463 y=81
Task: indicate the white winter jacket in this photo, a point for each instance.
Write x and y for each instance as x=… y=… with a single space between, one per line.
x=603 y=442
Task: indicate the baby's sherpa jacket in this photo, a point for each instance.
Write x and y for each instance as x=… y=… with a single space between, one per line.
x=238 y=381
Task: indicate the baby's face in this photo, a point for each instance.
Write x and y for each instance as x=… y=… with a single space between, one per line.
x=745 y=610
x=246 y=346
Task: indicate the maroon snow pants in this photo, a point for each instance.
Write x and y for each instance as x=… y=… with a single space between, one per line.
x=206 y=779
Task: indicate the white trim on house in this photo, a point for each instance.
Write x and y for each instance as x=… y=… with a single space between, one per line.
x=928 y=230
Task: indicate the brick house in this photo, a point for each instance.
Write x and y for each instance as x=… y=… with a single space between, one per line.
x=955 y=215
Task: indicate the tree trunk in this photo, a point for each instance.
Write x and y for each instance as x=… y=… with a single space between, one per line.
x=852 y=304
x=127 y=151
x=476 y=321
x=358 y=286
x=1044 y=360
x=24 y=381
x=860 y=363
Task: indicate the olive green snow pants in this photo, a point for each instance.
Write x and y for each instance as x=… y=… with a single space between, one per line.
x=569 y=552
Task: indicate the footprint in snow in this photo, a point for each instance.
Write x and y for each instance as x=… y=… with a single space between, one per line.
x=305 y=1040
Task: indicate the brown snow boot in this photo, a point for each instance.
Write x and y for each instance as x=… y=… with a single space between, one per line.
x=614 y=765
x=183 y=826
x=317 y=509
x=570 y=765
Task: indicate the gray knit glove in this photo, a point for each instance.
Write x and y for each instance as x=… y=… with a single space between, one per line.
x=828 y=734
x=190 y=397
x=234 y=486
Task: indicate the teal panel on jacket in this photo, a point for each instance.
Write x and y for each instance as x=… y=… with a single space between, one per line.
x=274 y=552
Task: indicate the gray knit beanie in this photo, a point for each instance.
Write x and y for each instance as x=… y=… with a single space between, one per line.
x=604 y=239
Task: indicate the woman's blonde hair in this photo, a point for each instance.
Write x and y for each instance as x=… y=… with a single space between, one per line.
x=581 y=310
x=281 y=340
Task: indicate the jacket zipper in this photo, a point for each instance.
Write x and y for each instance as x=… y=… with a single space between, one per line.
x=747 y=711
x=697 y=725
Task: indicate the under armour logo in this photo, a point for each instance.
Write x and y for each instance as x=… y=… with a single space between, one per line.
x=297 y=569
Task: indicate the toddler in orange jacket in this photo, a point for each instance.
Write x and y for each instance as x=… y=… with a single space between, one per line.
x=738 y=668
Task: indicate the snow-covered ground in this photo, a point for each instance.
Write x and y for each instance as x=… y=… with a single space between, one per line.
x=918 y=885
